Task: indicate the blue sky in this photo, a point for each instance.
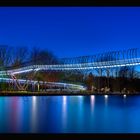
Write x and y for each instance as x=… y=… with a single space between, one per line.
x=71 y=31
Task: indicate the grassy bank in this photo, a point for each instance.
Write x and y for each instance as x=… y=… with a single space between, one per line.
x=85 y=93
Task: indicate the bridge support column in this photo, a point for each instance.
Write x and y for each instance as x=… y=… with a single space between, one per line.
x=99 y=79
x=9 y=85
x=33 y=87
x=38 y=86
x=45 y=86
x=108 y=75
x=13 y=85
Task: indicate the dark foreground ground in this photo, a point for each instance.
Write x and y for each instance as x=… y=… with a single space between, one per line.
x=85 y=93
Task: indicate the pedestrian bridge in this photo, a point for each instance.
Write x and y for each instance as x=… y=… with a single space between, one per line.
x=78 y=66
x=100 y=61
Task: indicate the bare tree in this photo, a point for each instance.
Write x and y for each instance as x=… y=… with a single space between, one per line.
x=3 y=52
x=39 y=56
x=20 y=55
x=127 y=72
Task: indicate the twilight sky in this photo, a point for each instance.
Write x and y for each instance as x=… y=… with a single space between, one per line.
x=71 y=31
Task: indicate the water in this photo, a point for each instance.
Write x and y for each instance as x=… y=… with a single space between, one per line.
x=70 y=114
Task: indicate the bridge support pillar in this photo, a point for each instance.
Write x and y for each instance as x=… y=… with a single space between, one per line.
x=38 y=86
x=33 y=87
x=108 y=75
x=99 y=79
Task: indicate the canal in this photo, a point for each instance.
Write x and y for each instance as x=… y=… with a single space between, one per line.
x=70 y=114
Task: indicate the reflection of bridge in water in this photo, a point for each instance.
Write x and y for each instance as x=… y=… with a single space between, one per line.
x=100 y=62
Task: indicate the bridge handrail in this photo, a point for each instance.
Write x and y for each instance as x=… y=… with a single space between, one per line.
x=114 y=63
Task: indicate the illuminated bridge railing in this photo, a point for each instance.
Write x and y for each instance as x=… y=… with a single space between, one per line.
x=80 y=66
x=58 y=84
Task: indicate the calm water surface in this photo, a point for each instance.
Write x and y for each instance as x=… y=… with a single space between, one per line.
x=70 y=114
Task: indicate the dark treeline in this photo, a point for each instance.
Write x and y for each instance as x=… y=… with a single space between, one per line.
x=115 y=84
x=123 y=79
x=17 y=56
x=119 y=79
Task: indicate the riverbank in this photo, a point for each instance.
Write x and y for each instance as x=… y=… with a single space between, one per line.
x=85 y=93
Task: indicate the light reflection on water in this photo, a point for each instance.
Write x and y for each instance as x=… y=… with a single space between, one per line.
x=92 y=100
x=34 y=114
x=64 y=113
x=75 y=114
x=106 y=100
